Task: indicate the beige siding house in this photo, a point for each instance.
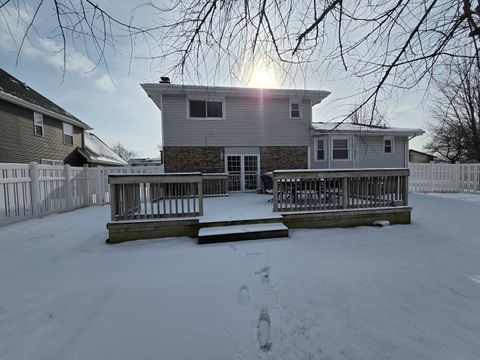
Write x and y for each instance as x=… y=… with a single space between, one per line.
x=247 y=132
x=33 y=128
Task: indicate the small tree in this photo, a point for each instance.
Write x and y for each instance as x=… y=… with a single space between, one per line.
x=122 y=151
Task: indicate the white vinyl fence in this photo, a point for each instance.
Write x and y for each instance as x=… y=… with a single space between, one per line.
x=437 y=177
x=28 y=190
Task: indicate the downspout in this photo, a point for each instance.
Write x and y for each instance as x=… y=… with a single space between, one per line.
x=407 y=150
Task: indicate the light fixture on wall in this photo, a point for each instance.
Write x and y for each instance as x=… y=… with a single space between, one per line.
x=221 y=155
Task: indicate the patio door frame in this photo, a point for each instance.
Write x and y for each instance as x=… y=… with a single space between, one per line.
x=242 y=171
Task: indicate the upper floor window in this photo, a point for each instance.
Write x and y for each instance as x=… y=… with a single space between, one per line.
x=320 y=149
x=38 y=124
x=67 y=134
x=51 y=162
x=341 y=149
x=206 y=109
x=388 y=145
x=294 y=110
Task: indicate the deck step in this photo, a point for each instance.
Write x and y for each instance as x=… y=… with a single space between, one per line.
x=216 y=234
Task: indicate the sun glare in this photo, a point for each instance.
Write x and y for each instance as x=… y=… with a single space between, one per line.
x=262 y=79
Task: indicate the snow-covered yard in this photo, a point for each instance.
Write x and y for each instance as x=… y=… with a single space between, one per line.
x=400 y=292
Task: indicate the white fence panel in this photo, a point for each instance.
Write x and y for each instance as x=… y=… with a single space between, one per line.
x=28 y=190
x=439 y=177
x=15 y=193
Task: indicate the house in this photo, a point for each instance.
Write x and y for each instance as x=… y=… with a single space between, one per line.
x=420 y=157
x=246 y=132
x=33 y=128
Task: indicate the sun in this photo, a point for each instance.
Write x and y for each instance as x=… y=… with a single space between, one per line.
x=262 y=79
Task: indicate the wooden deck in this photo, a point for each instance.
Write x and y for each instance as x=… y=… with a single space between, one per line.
x=170 y=205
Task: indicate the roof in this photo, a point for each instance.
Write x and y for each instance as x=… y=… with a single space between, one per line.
x=152 y=89
x=97 y=152
x=364 y=129
x=19 y=93
x=422 y=153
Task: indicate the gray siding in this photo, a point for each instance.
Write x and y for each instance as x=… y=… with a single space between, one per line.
x=248 y=122
x=366 y=152
x=18 y=143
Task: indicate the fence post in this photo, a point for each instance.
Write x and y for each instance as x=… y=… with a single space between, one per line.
x=35 y=188
x=100 y=186
x=88 y=196
x=68 y=186
x=458 y=176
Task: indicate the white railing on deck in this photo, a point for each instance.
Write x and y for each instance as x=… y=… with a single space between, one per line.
x=140 y=196
x=440 y=177
x=215 y=184
x=313 y=190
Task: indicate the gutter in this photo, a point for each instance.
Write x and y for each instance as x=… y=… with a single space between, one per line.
x=17 y=101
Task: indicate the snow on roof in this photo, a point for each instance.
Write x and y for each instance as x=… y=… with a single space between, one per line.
x=316 y=96
x=350 y=127
x=96 y=151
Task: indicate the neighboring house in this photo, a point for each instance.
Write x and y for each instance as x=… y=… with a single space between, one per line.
x=33 y=128
x=247 y=132
x=420 y=157
x=145 y=162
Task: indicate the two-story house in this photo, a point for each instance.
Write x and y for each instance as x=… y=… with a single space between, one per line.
x=246 y=132
x=33 y=128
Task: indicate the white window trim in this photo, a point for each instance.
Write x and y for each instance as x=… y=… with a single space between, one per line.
x=392 y=139
x=295 y=101
x=349 y=147
x=63 y=133
x=38 y=116
x=315 y=145
x=221 y=99
x=51 y=162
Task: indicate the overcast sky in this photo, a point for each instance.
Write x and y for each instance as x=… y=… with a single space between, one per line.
x=121 y=111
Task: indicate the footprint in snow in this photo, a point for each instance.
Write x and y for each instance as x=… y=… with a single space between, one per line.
x=263 y=331
x=243 y=295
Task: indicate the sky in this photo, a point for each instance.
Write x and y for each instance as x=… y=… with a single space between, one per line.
x=112 y=102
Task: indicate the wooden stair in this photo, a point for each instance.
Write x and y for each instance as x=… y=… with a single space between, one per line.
x=267 y=230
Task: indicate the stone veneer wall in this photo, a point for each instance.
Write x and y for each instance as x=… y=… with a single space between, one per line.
x=208 y=160
x=193 y=158
x=283 y=157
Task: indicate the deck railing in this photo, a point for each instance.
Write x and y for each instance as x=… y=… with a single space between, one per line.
x=215 y=184
x=311 y=190
x=134 y=196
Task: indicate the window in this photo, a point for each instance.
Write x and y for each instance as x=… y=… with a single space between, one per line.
x=388 y=145
x=67 y=134
x=320 y=149
x=51 y=162
x=206 y=109
x=340 y=149
x=294 y=110
x=38 y=124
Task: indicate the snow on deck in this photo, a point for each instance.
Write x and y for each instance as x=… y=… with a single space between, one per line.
x=398 y=292
x=238 y=206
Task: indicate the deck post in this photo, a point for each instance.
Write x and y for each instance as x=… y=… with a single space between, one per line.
x=113 y=201
x=200 y=197
x=344 y=193
x=275 y=193
x=405 y=191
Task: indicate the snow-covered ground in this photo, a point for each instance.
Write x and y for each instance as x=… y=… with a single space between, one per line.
x=399 y=292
